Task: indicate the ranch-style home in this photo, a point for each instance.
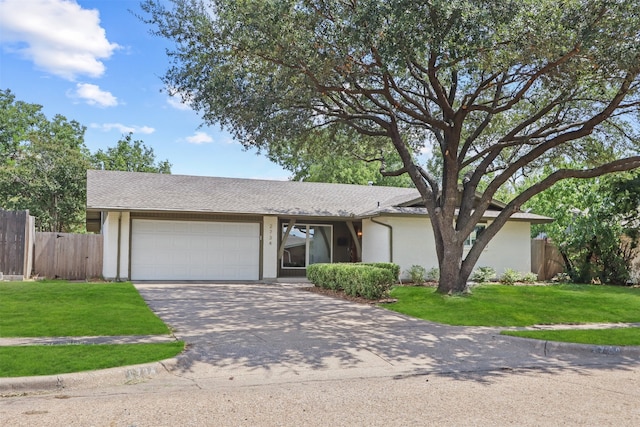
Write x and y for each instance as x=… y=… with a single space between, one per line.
x=174 y=227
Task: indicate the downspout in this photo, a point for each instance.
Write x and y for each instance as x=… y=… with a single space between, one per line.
x=119 y=241
x=390 y=237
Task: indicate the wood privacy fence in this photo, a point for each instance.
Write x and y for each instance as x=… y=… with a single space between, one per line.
x=17 y=229
x=68 y=256
x=546 y=260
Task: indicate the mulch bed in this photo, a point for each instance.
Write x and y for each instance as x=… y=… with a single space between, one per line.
x=342 y=295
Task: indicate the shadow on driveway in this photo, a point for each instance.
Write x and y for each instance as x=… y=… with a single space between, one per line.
x=279 y=330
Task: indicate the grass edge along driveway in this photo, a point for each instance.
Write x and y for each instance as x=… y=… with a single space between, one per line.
x=518 y=306
x=63 y=309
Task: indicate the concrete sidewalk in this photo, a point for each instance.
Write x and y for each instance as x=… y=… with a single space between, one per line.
x=266 y=334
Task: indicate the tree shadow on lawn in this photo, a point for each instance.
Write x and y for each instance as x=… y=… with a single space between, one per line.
x=276 y=330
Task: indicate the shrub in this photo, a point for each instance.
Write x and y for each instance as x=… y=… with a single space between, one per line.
x=529 y=278
x=363 y=280
x=417 y=273
x=483 y=275
x=324 y=275
x=394 y=268
x=433 y=275
x=510 y=277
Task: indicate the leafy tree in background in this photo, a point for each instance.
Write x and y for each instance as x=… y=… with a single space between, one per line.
x=597 y=225
x=333 y=157
x=43 y=165
x=129 y=155
x=496 y=89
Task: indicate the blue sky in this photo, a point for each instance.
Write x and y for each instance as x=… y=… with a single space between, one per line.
x=95 y=62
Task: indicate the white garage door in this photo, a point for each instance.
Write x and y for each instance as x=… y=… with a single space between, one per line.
x=194 y=250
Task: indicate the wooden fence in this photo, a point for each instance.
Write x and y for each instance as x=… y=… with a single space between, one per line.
x=17 y=229
x=546 y=260
x=68 y=256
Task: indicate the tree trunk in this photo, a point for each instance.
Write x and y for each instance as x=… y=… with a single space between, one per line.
x=453 y=278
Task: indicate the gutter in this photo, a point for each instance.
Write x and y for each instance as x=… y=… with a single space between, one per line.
x=390 y=237
x=119 y=242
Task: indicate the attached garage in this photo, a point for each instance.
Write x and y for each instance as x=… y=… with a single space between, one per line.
x=194 y=250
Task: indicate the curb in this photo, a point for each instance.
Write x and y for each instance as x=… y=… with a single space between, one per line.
x=556 y=348
x=104 y=377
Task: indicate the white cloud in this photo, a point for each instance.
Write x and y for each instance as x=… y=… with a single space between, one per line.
x=199 y=138
x=57 y=35
x=93 y=95
x=176 y=102
x=106 y=127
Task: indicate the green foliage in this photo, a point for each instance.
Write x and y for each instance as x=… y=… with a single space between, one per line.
x=362 y=280
x=495 y=90
x=529 y=277
x=131 y=156
x=499 y=305
x=391 y=266
x=433 y=275
x=483 y=275
x=43 y=166
x=340 y=156
x=25 y=361
x=417 y=274
x=510 y=277
x=596 y=226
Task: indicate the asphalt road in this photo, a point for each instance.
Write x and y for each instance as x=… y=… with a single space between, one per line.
x=260 y=355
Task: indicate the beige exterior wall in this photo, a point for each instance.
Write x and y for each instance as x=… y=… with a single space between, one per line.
x=110 y=245
x=270 y=247
x=413 y=244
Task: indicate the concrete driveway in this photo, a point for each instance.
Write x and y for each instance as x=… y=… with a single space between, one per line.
x=257 y=333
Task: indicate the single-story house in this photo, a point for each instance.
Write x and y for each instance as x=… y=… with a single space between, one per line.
x=176 y=227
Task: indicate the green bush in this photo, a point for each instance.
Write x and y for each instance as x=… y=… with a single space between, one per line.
x=433 y=275
x=417 y=274
x=529 y=277
x=483 y=275
x=394 y=268
x=363 y=280
x=324 y=275
x=510 y=277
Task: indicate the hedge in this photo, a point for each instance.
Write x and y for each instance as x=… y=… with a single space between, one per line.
x=368 y=280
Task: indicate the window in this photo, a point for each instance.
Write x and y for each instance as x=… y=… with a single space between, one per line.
x=477 y=231
x=307 y=244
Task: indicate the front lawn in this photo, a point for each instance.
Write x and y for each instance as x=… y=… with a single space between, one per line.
x=500 y=305
x=61 y=309
x=22 y=361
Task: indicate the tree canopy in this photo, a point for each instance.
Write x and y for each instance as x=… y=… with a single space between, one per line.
x=129 y=155
x=43 y=165
x=597 y=225
x=44 y=162
x=495 y=89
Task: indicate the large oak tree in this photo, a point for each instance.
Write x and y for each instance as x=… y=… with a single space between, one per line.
x=496 y=88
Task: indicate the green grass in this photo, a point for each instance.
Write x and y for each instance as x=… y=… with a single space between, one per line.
x=63 y=309
x=499 y=305
x=50 y=360
x=58 y=308
x=617 y=336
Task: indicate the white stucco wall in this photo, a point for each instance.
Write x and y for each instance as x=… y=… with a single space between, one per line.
x=510 y=248
x=413 y=244
x=110 y=245
x=270 y=248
